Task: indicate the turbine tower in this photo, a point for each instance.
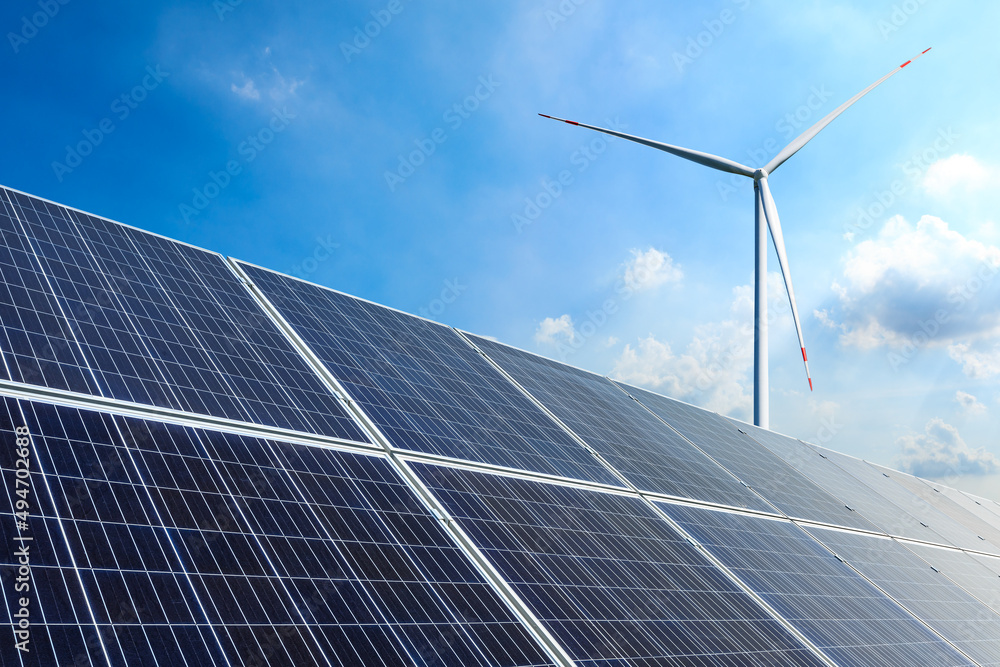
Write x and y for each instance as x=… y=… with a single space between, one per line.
x=764 y=210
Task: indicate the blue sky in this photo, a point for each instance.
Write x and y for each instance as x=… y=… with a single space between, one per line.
x=408 y=166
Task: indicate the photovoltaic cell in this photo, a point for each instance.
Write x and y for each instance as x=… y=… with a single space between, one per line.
x=947 y=506
x=777 y=482
x=423 y=386
x=824 y=473
x=829 y=603
x=647 y=452
x=198 y=547
x=38 y=346
x=165 y=324
x=928 y=594
x=882 y=483
x=608 y=577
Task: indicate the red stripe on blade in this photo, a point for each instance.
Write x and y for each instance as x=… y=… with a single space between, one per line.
x=905 y=64
x=810 y=384
x=923 y=52
x=804 y=354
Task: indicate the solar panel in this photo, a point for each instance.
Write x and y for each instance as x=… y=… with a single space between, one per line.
x=947 y=506
x=882 y=482
x=38 y=346
x=847 y=617
x=824 y=473
x=965 y=570
x=608 y=577
x=422 y=385
x=980 y=507
x=991 y=505
x=168 y=325
x=199 y=547
x=194 y=537
x=765 y=473
x=929 y=595
x=648 y=453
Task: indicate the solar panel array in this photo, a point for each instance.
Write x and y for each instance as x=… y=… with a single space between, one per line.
x=209 y=463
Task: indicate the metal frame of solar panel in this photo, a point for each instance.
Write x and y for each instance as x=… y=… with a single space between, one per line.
x=236 y=467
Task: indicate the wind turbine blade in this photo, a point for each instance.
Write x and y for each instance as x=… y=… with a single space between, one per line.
x=771 y=213
x=804 y=138
x=707 y=159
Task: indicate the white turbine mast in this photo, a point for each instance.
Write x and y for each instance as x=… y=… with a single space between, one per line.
x=765 y=211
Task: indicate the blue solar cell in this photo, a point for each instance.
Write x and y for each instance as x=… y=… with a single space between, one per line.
x=827 y=601
x=928 y=594
x=608 y=577
x=423 y=386
x=650 y=454
x=165 y=324
x=777 y=482
x=211 y=548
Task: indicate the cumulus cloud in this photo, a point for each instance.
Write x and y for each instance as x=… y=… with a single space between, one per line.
x=714 y=368
x=970 y=404
x=960 y=173
x=922 y=284
x=650 y=269
x=555 y=331
x=940 y=452
x=247 y=91
x=978 y=360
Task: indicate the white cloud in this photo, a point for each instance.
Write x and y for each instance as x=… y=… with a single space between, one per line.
x=923 y=284
x=970 y=404
x=714 y=369
x=957 y=173
x=650 y=269
x=976 y=362
x=555 y=331
x=941 y=452
x=247 y=91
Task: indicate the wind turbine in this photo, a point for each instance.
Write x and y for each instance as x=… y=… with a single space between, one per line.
x=764 y=211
